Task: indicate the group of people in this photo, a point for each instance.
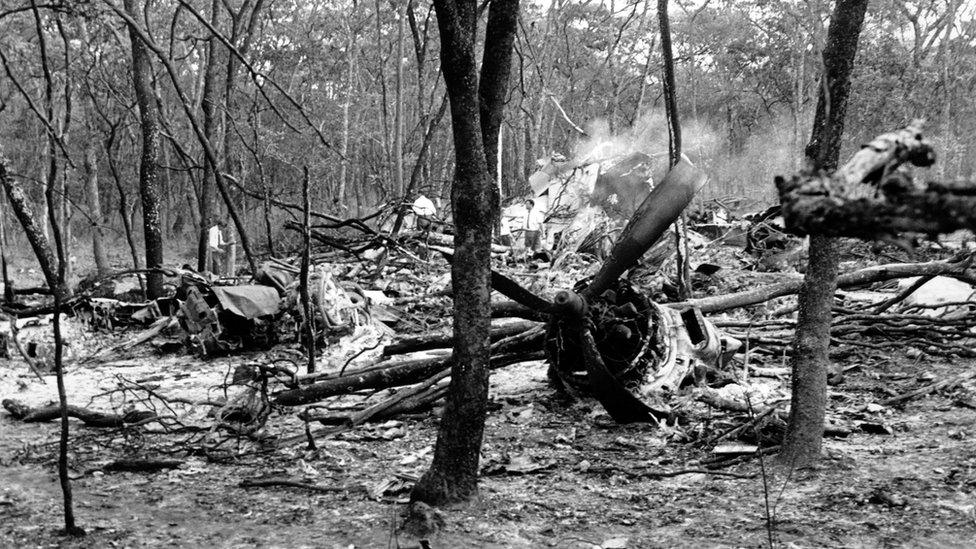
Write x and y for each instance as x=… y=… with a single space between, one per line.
x=221 y=257
x=532 y=225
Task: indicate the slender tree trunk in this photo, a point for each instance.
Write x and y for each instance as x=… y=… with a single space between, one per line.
x=398 y=108
x=453 y=475
x=95 y=209
x=267 y=217
x=306 y=266
x=54 y=275
x=148 y=169
x=92 y=195
x=384 y=107
x=804 y=433
x=123 y=207
x=8 y=286
x=209 y=103
x=347 y=102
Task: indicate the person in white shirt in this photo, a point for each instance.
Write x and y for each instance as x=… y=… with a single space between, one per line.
x=425 y=211
x=534 y=225
x=215 y=246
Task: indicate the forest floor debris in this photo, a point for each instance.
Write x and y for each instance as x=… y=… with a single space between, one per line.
x=550 y=467
x=217 y=424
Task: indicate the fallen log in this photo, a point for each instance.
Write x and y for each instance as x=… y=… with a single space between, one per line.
x=137 y=465
x=91 y=418
x=442 y=239
x=148 y=334
x=445 y=338
x=869 y=275
x=512 y=309
x=404 y=373
x=931 y=388
x=378 y=364
x=288 y=483
x=418 y=398
x=735 y=406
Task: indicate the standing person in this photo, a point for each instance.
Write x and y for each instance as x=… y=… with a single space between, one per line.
x=425 y=211
x=215 y=246
x=534 y=225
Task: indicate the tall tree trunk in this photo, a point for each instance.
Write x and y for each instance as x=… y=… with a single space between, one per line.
x=123 y=205
x=54 y=275
x=804 y=433
x=453 y=475
x=340 y=197
x=303 y=290
x=384 y=107
x=398 y=108
x=8 y=287
x=102 y=266
x=209 y=105
x=97 y=216
x=55 y=278
x=148 y=176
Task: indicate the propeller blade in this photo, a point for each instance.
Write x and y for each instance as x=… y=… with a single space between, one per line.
x=619 y=402
x=514 y=291
x=509 y=288
x=656 y=213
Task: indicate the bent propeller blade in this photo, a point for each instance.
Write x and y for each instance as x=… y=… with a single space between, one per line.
x=656 y=213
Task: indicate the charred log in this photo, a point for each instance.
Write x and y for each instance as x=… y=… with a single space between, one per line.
x=406 y=372
x=91 y=418
x=444 y=339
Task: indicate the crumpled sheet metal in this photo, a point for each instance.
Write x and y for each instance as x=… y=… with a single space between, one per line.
x=339 y=306
x=248 y=301
x=683 y=352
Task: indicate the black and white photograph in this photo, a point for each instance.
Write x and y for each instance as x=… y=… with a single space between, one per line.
x=438 y=274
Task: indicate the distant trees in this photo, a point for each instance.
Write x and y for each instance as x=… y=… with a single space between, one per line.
x=278 y=85
x=744 y=69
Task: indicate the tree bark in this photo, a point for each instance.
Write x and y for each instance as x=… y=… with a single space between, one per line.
x=351 y=46
x=453 y=475
x=8 y=287
x=148 y=176
x=102 y=266
x=123 y=206
x=309 y=324
x=496 y=65
x=398 y=106
x=209 y=106
x=804 y=433
x=54 y=274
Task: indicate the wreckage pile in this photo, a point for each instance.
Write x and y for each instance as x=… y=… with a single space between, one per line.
x=385 y=336
x=654 y=350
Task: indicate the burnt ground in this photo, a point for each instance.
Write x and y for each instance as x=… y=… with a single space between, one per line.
x=556 y=474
